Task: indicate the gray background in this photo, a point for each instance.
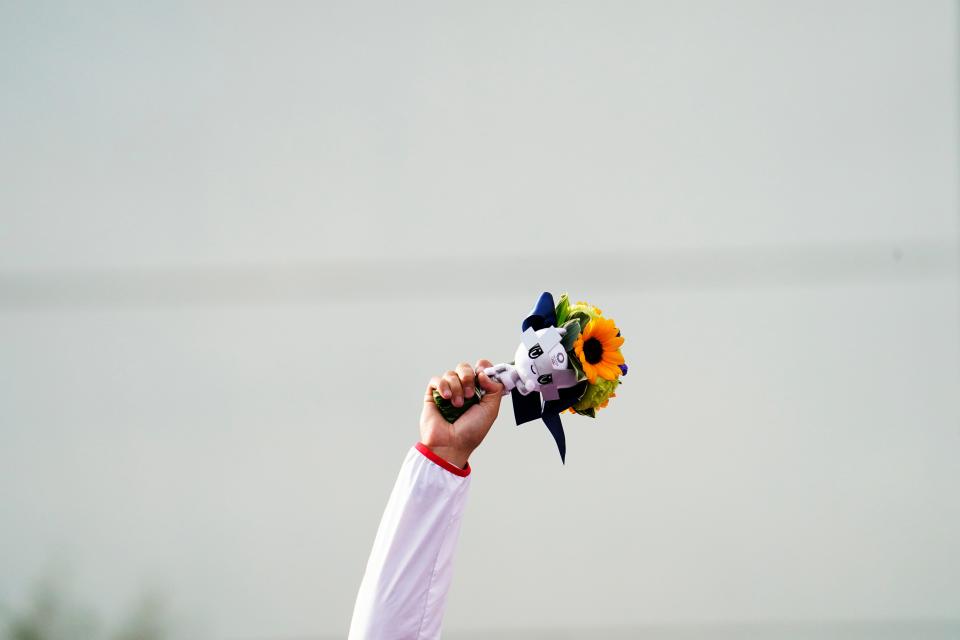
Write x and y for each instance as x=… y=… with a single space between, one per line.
x=236 y=239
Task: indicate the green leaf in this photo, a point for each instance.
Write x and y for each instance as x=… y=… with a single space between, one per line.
x=563 y=309
x=573 y=332
x=580 y=316
x=575 y=365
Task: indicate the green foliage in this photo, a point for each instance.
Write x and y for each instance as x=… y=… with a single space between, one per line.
x=594 y=396
x=449 y=412
x=563 y=308
x=51 y=614
x=573 y=332
x=581 y=317
x=577 y=367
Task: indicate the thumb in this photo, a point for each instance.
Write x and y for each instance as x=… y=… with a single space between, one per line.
x=494 y=390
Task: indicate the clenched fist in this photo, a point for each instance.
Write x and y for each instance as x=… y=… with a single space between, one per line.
x=455 y=442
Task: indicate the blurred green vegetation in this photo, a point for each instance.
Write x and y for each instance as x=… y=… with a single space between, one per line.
x=52 y=613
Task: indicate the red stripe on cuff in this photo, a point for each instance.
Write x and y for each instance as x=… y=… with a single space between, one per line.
x=440 y=462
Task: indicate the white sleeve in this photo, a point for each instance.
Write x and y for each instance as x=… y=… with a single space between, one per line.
x=404 y=589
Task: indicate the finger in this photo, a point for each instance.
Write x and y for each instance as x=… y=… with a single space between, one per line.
x=456 y=389
x=498 y=375
x=434 y=383
x=493 y=388
x=467 y=379
x=443 y=386
x=486 y=367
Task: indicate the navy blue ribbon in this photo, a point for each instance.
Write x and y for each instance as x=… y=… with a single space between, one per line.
x=527 y=408
x=543 y=315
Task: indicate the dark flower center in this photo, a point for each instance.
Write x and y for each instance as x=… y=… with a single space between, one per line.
x=592 y=350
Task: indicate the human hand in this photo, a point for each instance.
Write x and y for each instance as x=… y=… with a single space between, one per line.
x=455 y=442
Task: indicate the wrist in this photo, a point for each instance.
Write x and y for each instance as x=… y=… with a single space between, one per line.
x=456 y=457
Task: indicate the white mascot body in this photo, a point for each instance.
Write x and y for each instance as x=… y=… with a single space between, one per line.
x=540 y=364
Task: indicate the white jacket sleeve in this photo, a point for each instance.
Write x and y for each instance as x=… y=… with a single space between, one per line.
x=404 y=590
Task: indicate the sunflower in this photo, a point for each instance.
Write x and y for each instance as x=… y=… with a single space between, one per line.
x=598 y=349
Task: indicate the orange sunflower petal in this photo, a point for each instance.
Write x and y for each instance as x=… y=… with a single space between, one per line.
x=588 y=330
x=604 y=329
x=608 y=371
x=613 y=357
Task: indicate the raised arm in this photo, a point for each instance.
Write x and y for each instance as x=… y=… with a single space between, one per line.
x=404 y=590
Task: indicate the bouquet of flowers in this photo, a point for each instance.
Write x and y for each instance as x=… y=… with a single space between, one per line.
x=569 y=359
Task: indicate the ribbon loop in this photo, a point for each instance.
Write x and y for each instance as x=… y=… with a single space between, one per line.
x=544 y=314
